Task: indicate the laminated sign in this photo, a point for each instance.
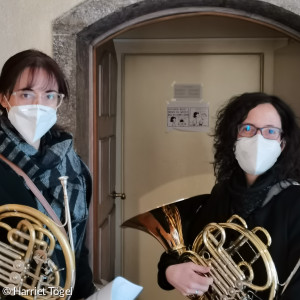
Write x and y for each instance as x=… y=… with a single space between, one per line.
x=187 y=111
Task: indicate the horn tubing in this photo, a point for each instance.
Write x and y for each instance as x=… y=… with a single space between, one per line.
x=17 y=210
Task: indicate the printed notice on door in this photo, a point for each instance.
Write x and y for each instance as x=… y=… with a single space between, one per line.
x=188 y=116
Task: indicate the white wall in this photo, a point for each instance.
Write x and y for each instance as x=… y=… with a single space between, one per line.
x=27 y=24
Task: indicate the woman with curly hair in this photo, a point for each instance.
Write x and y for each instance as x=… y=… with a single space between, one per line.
x=257 y=169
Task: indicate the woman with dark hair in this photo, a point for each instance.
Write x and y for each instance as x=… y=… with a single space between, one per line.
x=32 y=87
x=228 y=120
x=257 y=169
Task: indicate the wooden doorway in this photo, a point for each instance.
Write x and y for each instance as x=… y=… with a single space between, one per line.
x=104 y=150
x=104 y=117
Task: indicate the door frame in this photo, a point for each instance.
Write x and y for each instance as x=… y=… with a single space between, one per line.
x=88 y=73
x=176 y=46
x=138 y=47
x=92 y=161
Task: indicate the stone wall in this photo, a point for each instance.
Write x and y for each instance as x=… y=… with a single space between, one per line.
x=97 y=20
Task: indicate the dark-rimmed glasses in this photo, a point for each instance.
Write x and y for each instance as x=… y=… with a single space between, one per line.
x=268 y=132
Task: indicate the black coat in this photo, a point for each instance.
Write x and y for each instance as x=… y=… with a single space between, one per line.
x=281 y=218
x=13 y=191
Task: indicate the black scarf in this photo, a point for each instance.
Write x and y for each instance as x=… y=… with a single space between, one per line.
x=245 y=200
x=56 y=157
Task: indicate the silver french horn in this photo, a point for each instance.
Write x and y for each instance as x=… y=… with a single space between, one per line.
x=240 y=263
x=28 y=239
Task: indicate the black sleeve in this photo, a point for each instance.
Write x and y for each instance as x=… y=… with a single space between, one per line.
x=188 y=209
x=84 y=286
x=292 y=291
x=166 y=260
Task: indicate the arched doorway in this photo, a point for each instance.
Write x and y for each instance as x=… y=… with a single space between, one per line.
x=94 y=22
x=134 y=22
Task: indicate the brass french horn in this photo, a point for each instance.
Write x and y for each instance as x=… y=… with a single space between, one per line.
x=28 y=239
x=240 y=263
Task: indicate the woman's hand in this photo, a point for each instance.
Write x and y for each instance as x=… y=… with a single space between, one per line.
x=188 y=278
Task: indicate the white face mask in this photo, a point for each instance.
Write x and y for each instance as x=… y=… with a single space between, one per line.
x=256 y=155
x=32 y=121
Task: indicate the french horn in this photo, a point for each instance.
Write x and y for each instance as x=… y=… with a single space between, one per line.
x=27 y=242
x=240 y=263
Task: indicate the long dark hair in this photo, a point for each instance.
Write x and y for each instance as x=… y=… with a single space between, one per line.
x=225 y=135
x=34 y=60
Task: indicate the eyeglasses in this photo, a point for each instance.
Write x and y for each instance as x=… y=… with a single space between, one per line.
x=52 y=99
x=248 y=130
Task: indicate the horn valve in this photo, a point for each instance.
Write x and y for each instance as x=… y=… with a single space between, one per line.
x=240 y=263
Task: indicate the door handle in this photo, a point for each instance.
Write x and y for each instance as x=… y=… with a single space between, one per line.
x=118 y=195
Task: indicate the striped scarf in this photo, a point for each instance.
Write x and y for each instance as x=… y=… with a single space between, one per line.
x=56 y=157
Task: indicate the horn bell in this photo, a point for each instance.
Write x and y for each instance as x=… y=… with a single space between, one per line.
x=240 y=263
x=164 y=224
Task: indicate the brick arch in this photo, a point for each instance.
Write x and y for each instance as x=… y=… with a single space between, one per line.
x=94 y=21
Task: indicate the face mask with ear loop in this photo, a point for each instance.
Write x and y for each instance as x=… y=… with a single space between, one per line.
x=32 y=121
x=256 y=154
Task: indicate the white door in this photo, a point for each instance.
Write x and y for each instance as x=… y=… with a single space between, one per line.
x=161 y=166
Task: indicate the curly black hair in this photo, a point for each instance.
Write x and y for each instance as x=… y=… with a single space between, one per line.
x=225 y=135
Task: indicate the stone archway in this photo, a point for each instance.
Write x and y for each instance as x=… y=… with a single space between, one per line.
x=97 y=21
